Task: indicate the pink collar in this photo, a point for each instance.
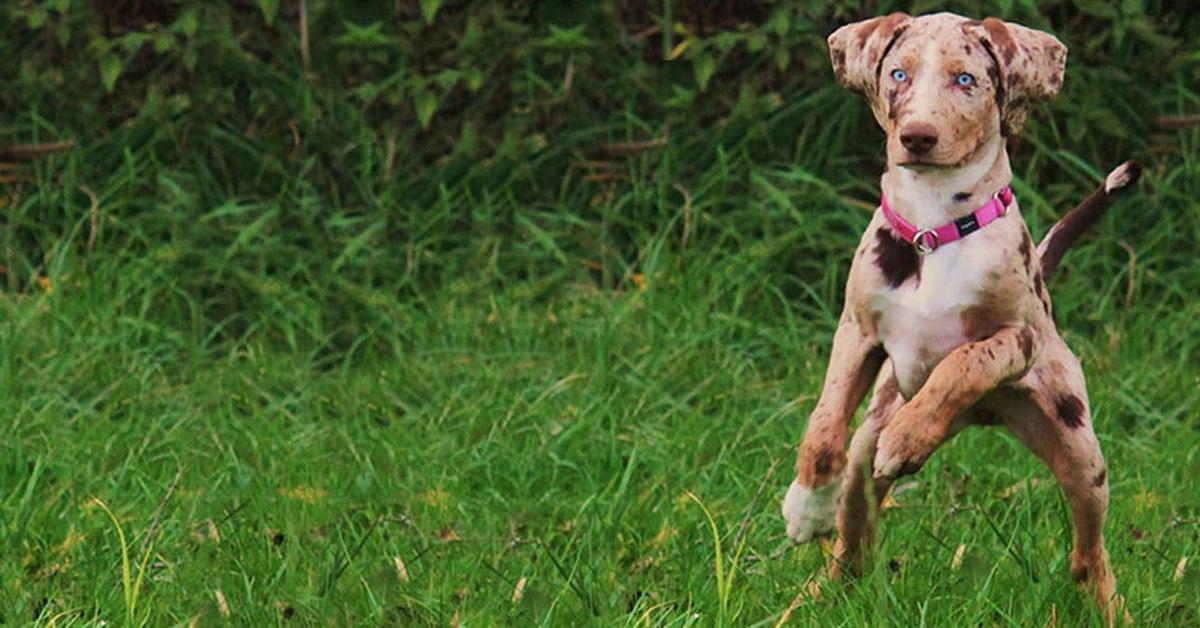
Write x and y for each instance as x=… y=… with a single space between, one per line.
x=928 y=240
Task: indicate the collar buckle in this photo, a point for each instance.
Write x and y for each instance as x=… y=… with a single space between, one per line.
x=925 y=241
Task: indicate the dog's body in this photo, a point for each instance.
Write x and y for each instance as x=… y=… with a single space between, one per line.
x=962 y=334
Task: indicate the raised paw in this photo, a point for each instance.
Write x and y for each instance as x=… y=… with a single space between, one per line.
x=810 y=512
x=904 y=446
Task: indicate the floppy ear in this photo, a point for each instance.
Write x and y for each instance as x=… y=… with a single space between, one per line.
x=857 y=50
x=1030 y=63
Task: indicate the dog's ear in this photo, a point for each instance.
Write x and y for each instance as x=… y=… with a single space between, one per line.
x=1030 y=66
x=857 y=49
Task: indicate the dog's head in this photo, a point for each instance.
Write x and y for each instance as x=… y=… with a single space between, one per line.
x=942 y=85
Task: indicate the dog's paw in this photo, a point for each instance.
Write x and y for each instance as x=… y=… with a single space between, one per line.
x=811 y=512
x=903 y=448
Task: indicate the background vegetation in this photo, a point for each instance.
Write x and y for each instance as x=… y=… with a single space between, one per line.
x=426 y=312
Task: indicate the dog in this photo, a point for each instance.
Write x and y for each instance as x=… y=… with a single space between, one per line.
x=946 y=309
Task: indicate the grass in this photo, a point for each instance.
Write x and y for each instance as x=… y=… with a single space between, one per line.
x=561 y=439
x=503 y=393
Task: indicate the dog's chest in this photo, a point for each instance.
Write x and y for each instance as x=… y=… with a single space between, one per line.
x=920 y=321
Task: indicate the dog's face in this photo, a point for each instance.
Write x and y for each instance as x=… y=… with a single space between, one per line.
x=941 y=85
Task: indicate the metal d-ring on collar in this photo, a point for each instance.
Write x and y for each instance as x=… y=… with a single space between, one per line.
x=921 y=244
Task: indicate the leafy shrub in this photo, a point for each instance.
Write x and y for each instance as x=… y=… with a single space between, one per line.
x=338 y=148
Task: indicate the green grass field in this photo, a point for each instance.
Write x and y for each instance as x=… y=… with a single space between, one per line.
x=325 y=383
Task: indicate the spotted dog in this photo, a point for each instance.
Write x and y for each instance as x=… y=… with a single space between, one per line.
x=947 y=317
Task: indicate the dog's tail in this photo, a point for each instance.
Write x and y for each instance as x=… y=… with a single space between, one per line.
x=1064 y=232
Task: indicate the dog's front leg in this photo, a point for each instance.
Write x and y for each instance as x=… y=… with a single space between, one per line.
x=811 y=501
x=956 y=383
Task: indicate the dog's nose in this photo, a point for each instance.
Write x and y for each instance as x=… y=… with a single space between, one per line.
x=919 y=137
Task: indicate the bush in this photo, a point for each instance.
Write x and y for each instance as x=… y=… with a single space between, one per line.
x=400 y=146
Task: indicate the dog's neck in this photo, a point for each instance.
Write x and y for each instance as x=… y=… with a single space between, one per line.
x=931 y=197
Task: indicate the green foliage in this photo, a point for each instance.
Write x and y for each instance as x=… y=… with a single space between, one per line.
x=410 y=113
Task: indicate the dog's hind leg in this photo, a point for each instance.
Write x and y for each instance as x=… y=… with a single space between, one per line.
x=858 y=512
x=1049 y=415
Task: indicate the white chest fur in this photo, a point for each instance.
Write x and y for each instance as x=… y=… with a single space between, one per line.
x=920 y=321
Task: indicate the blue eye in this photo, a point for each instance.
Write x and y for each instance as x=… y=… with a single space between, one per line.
x=965 y=79
x=899 y=75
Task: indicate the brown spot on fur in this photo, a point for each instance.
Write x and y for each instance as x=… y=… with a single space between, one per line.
x=1003 y=40
x=1100 y=478
x=896 y=259
x=817 y=461
x=980 y=321
x=1026 y=247
x=961 y=196
x=1070 y=411
x=1079 y=573
x=996 y=76
x=892 y=104
x=824 y=462
x=1039 y=284
x=1025 y=341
